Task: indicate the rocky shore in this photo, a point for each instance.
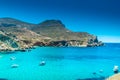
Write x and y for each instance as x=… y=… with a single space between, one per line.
x=70 y=43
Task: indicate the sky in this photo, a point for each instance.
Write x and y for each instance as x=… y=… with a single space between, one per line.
x=98 y=17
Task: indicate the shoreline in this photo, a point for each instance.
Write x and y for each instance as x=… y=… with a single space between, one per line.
x=34 y=47
x=114 y=77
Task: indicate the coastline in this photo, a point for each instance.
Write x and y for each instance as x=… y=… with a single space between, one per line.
x=48 y=33
x=23 y=49
x=114 y=77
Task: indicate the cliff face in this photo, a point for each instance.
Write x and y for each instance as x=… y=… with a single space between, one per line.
x=15 y=34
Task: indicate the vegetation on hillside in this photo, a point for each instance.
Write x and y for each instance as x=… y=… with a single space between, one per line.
x=16 y=34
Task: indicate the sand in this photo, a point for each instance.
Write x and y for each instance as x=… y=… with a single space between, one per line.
x=114 y=77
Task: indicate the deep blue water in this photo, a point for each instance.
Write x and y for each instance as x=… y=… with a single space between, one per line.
x=62 y=63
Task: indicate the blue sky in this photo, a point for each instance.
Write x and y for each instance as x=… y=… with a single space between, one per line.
x=98 y=17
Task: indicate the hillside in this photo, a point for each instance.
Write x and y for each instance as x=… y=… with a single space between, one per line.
x=11 y=22
x=57 y=31
x=48 y=33
x=14 y=38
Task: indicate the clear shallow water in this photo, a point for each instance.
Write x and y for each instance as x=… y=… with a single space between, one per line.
x=61 y=63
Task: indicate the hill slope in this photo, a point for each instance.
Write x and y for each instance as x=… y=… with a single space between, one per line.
x=57 y=31
x=11 y=22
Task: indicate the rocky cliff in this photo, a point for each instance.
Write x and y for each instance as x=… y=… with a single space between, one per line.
x=16 y=35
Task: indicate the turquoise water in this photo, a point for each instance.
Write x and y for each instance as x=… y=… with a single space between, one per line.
x=62 y=63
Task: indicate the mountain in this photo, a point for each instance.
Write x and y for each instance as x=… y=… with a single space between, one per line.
x=57 y=31
x=16 y=34
x=11 y=22
x=51 y=28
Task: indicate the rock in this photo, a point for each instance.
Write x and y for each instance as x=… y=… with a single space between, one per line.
x=39 y=44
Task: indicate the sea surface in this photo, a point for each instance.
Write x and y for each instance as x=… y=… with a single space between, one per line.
x=62 y=63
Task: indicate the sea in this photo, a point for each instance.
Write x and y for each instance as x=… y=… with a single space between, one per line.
x=61 y=63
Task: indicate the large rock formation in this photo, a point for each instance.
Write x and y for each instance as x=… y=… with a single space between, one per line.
x=16 y=34
x=61 y=36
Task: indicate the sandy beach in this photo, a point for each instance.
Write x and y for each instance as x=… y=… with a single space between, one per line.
x=114 y=77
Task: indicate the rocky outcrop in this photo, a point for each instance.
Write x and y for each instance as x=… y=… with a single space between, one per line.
x=70 y=43
x=93 y=42
x=18 y=39
x=7 y=43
